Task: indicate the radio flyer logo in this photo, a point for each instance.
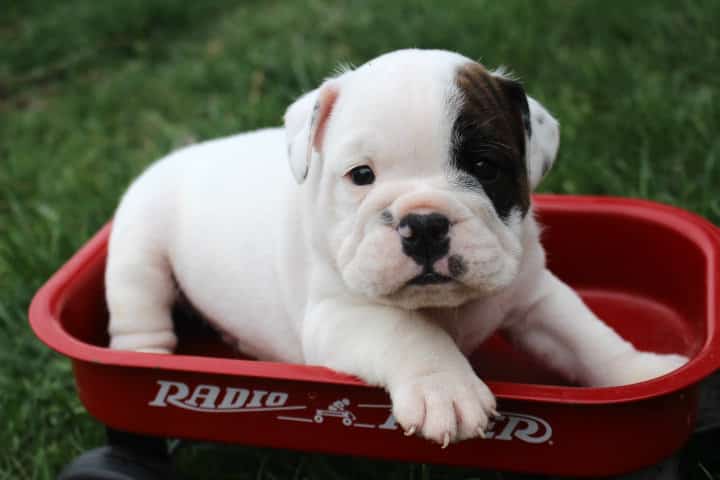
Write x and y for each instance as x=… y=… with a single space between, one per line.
x=215 y=399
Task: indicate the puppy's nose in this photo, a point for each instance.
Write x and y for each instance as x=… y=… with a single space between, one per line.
x=425 y=237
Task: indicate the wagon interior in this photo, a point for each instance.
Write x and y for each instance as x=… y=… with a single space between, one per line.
x=646 y=280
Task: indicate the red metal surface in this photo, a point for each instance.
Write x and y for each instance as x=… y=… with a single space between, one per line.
x=649 y=270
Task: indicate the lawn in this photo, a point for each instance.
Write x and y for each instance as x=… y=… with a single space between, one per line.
x=92 y=92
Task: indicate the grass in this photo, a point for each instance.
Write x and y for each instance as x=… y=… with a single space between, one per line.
x=91 y=92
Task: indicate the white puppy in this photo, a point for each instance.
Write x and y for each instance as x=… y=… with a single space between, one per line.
x=403 y=238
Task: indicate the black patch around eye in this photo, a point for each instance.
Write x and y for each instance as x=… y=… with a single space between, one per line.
x=486 y=171
x=492 y=123
x=489 y=166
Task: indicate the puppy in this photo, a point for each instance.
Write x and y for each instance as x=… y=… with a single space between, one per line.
x=400 y=238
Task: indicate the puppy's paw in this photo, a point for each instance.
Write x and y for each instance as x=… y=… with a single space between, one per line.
x=149 y=342
x=163 y=351
x=443 y=406
x=641 y=366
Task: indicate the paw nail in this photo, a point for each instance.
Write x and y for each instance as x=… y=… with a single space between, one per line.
x=446 y=441
x=481 y=433
x=495 y=415
x=410 y=431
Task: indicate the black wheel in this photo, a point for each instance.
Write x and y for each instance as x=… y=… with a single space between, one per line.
x=115 y=463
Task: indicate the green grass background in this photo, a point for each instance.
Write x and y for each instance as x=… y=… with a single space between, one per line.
x=91 y=92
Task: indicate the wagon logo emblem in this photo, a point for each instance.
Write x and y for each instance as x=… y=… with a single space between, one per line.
x=336 y=409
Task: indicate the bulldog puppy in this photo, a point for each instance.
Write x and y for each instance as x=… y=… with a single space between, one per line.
x=399 y=239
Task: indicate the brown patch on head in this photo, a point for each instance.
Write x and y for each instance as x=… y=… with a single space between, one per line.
x=489 y=136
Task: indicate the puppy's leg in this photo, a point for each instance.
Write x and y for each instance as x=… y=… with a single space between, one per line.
x=433 y=388
x=563 y=333
x=139 y=289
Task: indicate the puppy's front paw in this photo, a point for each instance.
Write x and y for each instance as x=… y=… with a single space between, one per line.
x=148 y=342
x=163 y=351
x=640 y=366
x=443 y=406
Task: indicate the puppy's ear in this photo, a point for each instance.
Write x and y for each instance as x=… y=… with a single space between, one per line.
x=543 y=145
x=541 y=128
x=515 y=93
x=305 y=125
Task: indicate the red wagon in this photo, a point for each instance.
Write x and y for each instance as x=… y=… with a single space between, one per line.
x=649 y=270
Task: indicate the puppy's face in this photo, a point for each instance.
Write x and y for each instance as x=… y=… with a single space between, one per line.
x=418 y=163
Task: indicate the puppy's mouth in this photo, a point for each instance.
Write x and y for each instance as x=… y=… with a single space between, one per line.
x=429 y=277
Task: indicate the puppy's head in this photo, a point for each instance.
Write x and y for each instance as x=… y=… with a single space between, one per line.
x=420 y=166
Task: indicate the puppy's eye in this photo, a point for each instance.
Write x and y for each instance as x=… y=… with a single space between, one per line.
x=486 y=171
x=362 y=175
